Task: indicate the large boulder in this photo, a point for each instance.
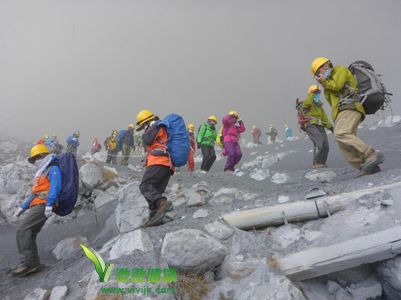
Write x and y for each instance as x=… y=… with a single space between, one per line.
x=38 y=294
x=389 y=274
x=69 y=247
x=58 y=293
x=132 y=211
x=194 y=198
x=91 y=175
x=129 y=242
x=192 y=251
x=263 y=283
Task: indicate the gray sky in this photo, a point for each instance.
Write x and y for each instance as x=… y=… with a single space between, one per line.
x=93 y=64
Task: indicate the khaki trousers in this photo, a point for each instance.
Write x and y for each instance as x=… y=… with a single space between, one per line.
x=354 y=150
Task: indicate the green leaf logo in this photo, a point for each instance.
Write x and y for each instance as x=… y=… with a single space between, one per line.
x=103 y=270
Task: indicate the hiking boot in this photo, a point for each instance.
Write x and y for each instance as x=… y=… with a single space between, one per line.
x=158 y=215
x=372 y=161
x=22 y=270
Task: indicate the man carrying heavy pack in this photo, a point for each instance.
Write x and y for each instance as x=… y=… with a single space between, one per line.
x=127 y=144
x=39 y=206
x=313 y=120
x=206 y=139
x=158 y=164
x=347 y=113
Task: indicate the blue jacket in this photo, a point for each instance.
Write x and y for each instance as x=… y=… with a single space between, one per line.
x=56 y=180
x=288 y=133
x=73 y=141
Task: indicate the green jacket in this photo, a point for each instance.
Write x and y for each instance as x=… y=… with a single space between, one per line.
x=315 y=112
x=207 y=135
x=334 y=85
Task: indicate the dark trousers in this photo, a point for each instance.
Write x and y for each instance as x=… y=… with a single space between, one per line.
x=209 y=157
x=320 y=142
x=27 y=231
x=153 y=184
x=111 y=157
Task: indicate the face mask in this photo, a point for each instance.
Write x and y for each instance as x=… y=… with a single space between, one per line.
x=316 y=98
x=38 y=162
x=327 y=73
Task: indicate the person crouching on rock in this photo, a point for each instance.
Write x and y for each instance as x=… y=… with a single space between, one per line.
x=39 y=206
x=158 y=164
x=231 y=132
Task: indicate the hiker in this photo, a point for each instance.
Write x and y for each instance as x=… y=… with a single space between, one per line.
x=232 y=128
x=205 y=140
x=73 y=143
x=158 y=165
x=96 y=146
x=191 y=161
x=43 y=140
x=110 y=144
x=39 y=206
x=272 y=133
x=55 y=146
x=313 y=120
x=256 y=133
x=347 y=113
x=127 y=144
x=287 y=132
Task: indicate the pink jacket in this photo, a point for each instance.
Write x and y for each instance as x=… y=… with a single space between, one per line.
x=231 y=131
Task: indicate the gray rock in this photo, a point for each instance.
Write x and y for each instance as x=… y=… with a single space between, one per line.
x=219 y=230
x=194 y=198
x=104 y=198
x=69 y=247
x=200 y=213
x=320 y=176
x=91 y=175
x=236 y=269
x=179 y=201
x=224 y=199
x=389 y=274
x=192 y=251
x=368 y=289
x=132 y=211
x=264 y=283
x=127 y=243
x=337 y=291
x=58 y=293
x=37 y=294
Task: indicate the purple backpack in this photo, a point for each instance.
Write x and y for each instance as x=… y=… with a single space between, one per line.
x=70 y=183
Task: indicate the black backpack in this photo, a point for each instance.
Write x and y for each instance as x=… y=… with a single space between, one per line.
x=370 y=89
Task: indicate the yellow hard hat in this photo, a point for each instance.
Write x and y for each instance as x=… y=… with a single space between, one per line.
x=144 y=116
x=213 y=118
x=254 y=126
x=37 y=150
x=317 y=63
x=77 y=133
x=233 y=113
x=45 y=136
x=191 y=127
x=131 y=126
x=115 y=132
x=313 y=88
x=285 y=125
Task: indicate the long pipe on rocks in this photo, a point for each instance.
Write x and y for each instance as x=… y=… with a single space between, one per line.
x=297 y=211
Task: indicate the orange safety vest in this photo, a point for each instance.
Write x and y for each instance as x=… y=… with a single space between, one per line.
x=158 y=145
x=40 y=188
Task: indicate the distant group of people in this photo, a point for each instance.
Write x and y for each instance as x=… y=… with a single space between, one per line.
x=123 y=140
x=271 y=134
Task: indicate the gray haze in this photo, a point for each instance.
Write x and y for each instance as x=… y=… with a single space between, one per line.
x=91 y=65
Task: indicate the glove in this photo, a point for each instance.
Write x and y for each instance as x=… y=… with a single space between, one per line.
x=48 y=211
x=331 y=129
x=199 y=146
x=239 y=120
x=19 y=212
